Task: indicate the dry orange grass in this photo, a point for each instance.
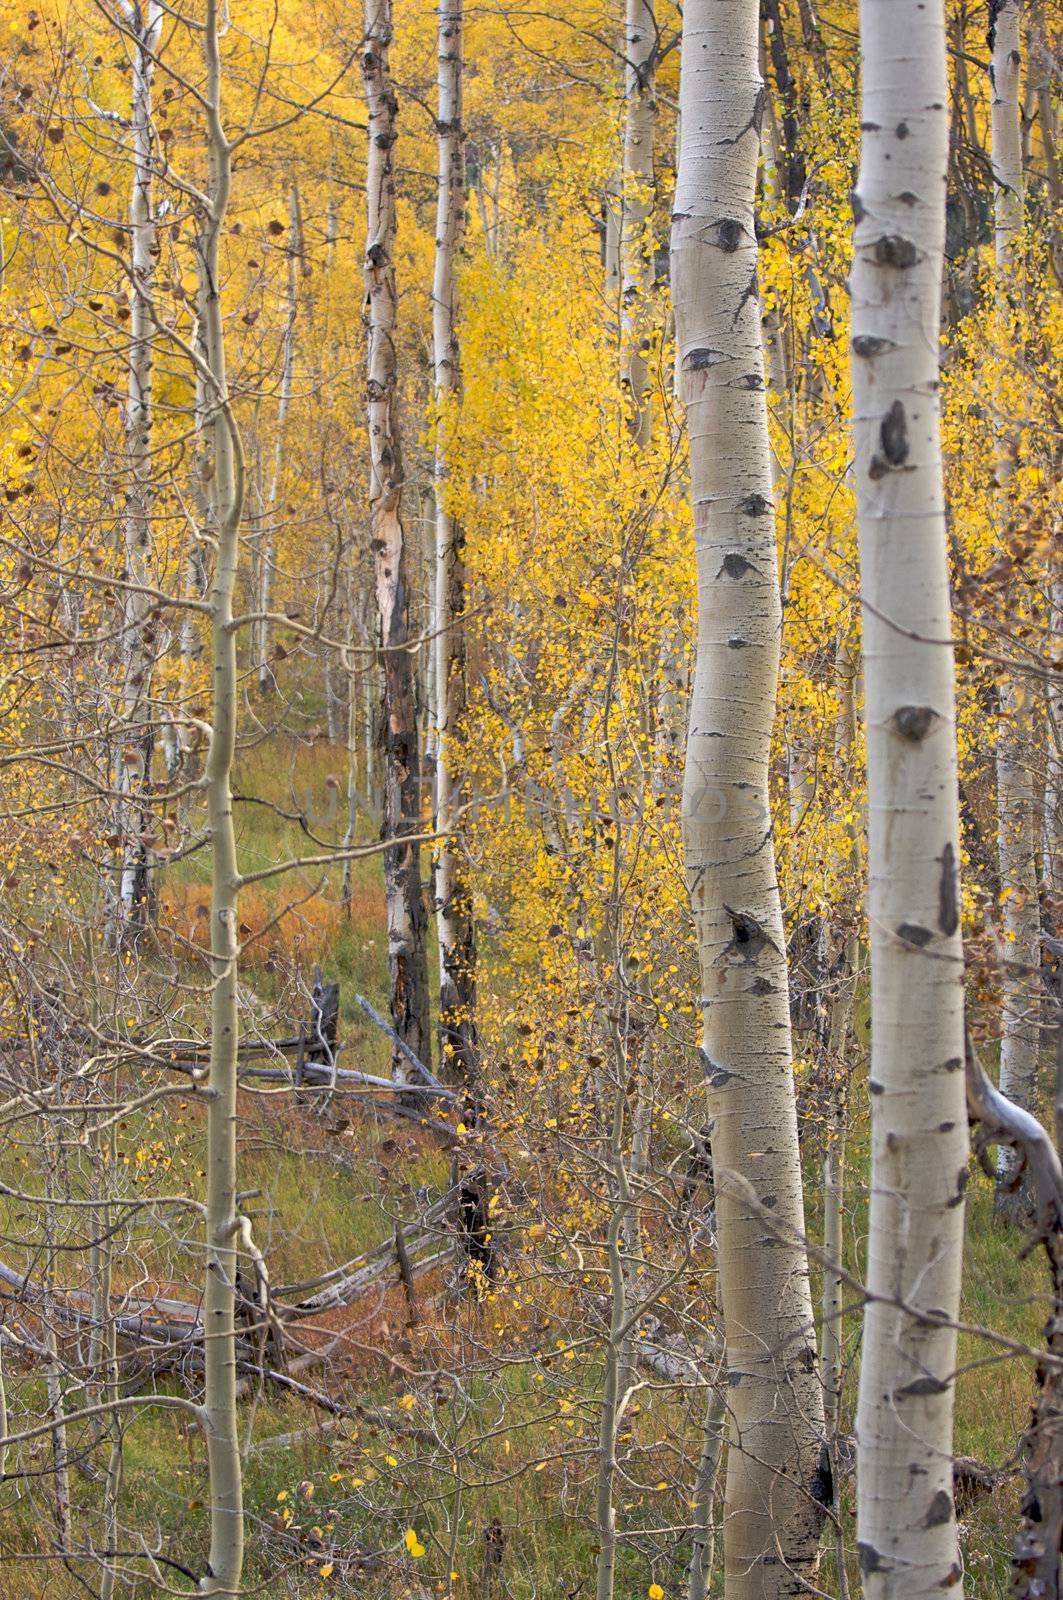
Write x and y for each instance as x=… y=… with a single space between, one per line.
x=271 y=928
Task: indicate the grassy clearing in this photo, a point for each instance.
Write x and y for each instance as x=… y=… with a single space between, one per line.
x=478 y=1436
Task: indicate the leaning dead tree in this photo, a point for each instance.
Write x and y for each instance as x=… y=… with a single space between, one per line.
x=406 y=917
x=906 y=1522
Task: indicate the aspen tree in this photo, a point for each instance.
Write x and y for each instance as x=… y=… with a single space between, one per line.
x=1016 y=799
x=137 y=733
x=284 y=402
x=773 y=1503
x=407 y=955
x=453 y=891
x=222 y=1575
x=906 y=1523
x=636 y=245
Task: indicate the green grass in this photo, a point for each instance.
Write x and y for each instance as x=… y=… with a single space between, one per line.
x=329 y=1188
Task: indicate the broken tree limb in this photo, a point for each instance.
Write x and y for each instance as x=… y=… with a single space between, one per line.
x=1038 y=1548
x=403 y=1048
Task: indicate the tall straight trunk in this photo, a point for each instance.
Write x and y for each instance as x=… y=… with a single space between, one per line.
x=775 y=1488
x=453 y=890
x=906 y=1523
x=284 y=401
x=1016 y=798
x=133 y=777
x=194 y=577
x=1052 y=819
x=636 y=242
x=407 y=922
x=840 y=967
x=223 y=1452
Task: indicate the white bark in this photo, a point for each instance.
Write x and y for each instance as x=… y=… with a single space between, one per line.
x=453 y=891
x=841 y=968
x=772 y=1514
x=219 y=1304
x=133 y=777
x=906 y=1524
x=1016 y=798
x=636 y=240
x=407 y=957
x=284 y=401
x=1052 y=822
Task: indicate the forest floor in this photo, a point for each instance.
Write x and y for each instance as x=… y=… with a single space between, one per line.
x=443 y=1415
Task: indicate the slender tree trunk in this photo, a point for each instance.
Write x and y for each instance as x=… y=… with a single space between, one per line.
x=190 y=643
x=453 y=890
x=1052 y=823
x=1016 y=799
x=223 y=1451
x=906 y=1522
x=703 y=1538
x=636 y=239
x=841 y=967
x=407 y=953
x=775 y=1489
x=133 y=777
x=265 y=576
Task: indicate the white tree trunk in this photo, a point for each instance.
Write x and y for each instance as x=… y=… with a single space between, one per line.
x=223 y=1452
x=906 y=1524
x=407 y=955
x=773 y=1507
x=636 y=239
x=133 y=776
x=284 y=401
x=453 y=890
x=1016 y=797
x=1052 y=821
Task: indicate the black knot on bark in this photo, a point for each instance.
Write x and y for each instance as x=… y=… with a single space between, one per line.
x=867 y=345
x=734 y=565
x=869 y=1560
x=914 y=722
x=894 y=251
x=948 y=893
x=748 y=937
x=729 y=234
x=940 y=1511
x=701 y=360
x=893 y=435
x=823 y=1479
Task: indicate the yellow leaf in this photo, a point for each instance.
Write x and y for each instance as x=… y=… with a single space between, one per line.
x=413 y=1544
x=326 y=1570
x=655 y=1592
